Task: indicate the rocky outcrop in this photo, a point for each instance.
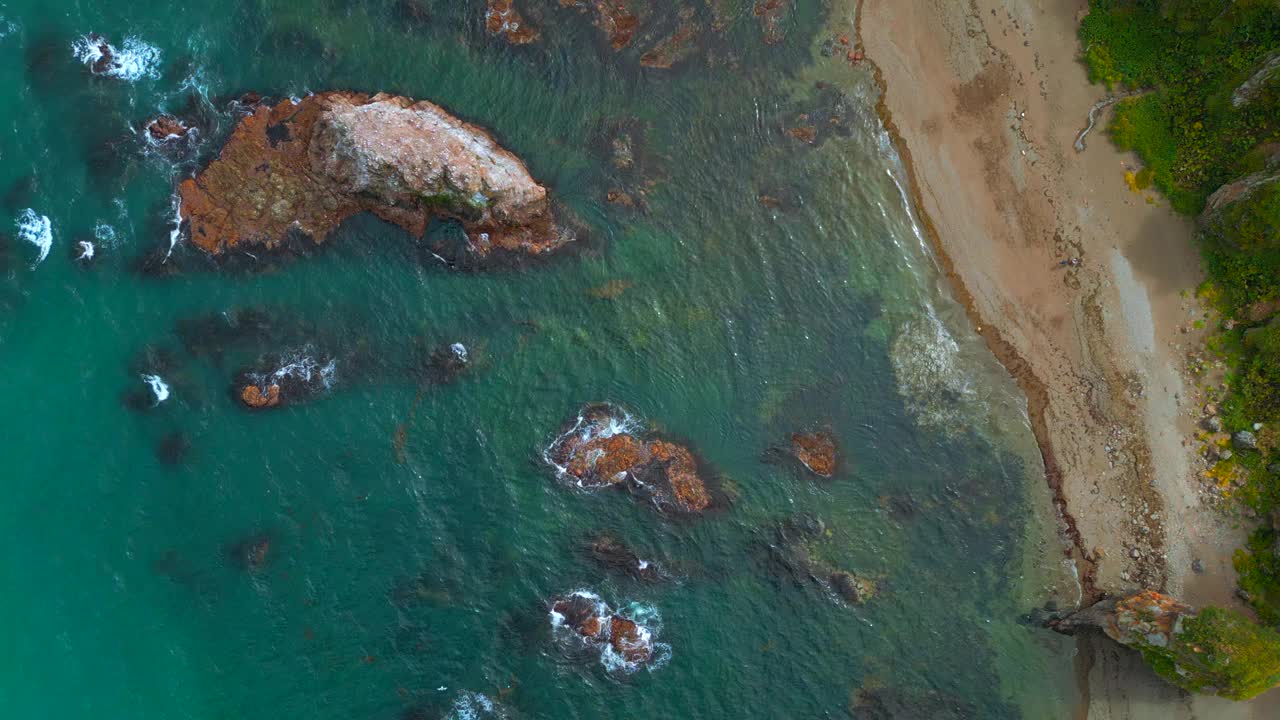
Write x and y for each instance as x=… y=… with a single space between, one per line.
x=298 y=169
x=1213 y=651
x=816 y=451
x=1238 y=190
x=1249 y=89
x=1143 y=618
x=623 y=643
x=605 y=447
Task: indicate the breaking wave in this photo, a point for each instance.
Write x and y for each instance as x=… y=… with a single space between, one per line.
x=158 y=387
x=926 y=362
x=133 y=60
x=474 y=706
x=37 y=230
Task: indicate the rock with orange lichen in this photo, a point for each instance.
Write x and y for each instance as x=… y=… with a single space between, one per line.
x=257 y=397
x=672 y=49
x=604 y=446
x=628 y=640
x=804 y=133
x=671 y=478
x=816 y=451
x=502 y=18
x=287 y=377
x=582 y=619
x=298 y=169
x=166 y=128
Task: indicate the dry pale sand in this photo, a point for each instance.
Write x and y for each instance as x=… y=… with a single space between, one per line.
x=984 y=99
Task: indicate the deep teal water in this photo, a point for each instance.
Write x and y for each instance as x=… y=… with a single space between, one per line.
x=400 y=568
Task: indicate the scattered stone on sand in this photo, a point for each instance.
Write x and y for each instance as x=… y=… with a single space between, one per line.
x=816 y=451
x=604 y=446
x=296 y=169
x=624 y=644
x=502 y=18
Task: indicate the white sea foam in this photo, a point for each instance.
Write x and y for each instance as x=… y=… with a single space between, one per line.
x=133 y=60
x=37 y=230
x=86 y=250
x=303 y=366
x=931 y=380
x=473 y=706
x=105 y=234
x=158 y=387
x=7 y=27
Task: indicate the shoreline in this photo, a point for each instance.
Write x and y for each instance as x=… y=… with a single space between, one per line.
x=1005 y=352
x=1098 y=350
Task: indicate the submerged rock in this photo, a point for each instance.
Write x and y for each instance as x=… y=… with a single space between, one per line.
x=816 y=451
x=791 y=552
x=854 y=589
x=297 y=169
x=604 y=446
x=609 y=552
x=583 y=618
x=251 y=553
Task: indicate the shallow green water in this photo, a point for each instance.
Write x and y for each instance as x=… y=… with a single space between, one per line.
x=402 y=573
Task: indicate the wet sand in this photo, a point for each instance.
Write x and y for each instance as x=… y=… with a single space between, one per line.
x=985 y=100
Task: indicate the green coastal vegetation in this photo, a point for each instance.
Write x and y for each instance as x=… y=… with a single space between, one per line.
x=1221 y=652
x=1204 y=117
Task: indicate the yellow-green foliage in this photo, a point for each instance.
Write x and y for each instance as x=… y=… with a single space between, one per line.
x=1219 y=652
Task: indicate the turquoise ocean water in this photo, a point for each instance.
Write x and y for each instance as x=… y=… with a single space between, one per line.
x=415 y=533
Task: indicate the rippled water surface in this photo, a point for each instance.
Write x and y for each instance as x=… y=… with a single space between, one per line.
x=413 y=533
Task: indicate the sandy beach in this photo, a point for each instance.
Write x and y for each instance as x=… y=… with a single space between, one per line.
x=985 y=101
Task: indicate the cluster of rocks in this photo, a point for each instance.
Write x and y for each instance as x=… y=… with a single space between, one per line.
x=288 y=378
x=622 y=643
x=605 y=447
